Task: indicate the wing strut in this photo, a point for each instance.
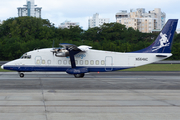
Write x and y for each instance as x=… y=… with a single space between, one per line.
x=72 y=59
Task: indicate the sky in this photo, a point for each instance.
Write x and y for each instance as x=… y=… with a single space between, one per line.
x=58 y=11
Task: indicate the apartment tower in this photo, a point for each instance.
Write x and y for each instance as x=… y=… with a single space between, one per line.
x=30 y=9
x=140 y=19
x=95 y=21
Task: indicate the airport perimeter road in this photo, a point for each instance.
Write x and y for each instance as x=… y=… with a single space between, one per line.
x=103 y=96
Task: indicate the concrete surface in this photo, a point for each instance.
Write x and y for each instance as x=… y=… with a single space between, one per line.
x=104 y=96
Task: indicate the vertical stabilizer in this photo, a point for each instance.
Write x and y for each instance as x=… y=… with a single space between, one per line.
x=164 y=41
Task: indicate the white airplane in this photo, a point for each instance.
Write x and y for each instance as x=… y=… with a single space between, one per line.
x=80 y=60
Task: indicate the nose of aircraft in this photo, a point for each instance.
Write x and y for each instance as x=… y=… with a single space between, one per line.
x=2 y=67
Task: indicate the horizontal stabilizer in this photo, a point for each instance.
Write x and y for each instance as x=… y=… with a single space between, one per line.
x=161 y=56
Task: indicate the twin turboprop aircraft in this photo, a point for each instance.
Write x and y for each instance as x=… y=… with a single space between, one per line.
x=80 y=60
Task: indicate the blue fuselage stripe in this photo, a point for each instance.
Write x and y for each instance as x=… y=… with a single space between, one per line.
x=60 y=69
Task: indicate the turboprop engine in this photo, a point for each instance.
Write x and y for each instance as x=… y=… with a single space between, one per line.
x=60 y=52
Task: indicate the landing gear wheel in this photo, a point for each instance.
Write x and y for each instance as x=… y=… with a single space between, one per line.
x=21 y=75
x=79 y=75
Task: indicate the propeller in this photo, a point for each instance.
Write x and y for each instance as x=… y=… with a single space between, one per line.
x=59 y=52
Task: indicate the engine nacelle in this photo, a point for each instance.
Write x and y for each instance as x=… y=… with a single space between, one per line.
x=62 y=54
x=59 y=52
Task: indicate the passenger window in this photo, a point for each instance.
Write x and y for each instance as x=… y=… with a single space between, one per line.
x=43 y=62
x=81 y=62
x=92 y=62
x=75 y=62
x=102 y=62
x=59 y=62
x=65 y=62
x=49 y=62
x=38 y=62
x=97 y=62
x=86 y=62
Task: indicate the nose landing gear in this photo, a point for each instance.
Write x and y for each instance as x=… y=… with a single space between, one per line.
x=21 y=74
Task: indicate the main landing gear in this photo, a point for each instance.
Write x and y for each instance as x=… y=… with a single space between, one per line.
x=21 y=74
x=79 y=75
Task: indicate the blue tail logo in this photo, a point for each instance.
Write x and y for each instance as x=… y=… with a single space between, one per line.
x=163 y=42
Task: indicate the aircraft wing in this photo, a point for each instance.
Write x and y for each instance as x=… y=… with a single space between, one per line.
x=72 y=47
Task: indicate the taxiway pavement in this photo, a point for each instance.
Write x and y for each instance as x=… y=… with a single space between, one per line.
x=103 y=96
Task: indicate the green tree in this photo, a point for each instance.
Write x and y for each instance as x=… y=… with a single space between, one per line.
x=22 y=34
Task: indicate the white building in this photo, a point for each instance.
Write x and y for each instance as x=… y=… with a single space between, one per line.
x=29 y=10
x=178 y=31
x=141 y=20
x=68 y=24
x=96 y=21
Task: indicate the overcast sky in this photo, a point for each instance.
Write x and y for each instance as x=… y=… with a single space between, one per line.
x=57 y=11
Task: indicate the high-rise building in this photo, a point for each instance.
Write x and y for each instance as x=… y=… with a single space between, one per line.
x=29 y=10
x=67 y=24
x=141 y=20
x=96 y=21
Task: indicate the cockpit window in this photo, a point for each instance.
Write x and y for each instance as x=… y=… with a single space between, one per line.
x=25 y=56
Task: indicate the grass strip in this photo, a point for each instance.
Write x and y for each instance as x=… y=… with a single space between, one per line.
x=156 y=67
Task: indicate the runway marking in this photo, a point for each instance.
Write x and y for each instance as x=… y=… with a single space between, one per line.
x=43 y=98
x=114 y=106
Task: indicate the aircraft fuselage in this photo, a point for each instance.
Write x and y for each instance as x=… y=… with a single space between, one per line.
x=93 y=60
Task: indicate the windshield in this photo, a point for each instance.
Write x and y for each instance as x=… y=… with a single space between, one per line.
x=25 y=56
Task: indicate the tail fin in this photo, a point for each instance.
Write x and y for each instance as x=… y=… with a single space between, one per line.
x=164 y=41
